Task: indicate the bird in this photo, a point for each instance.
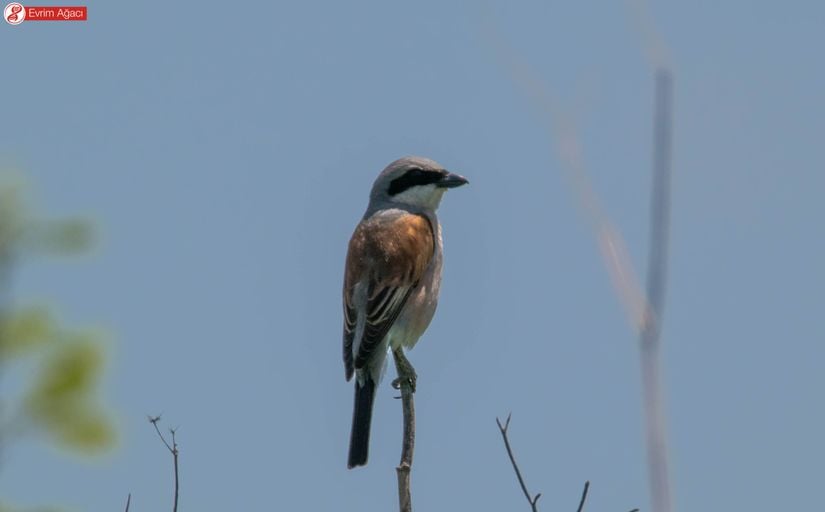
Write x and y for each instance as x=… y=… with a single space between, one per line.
x=392 y=279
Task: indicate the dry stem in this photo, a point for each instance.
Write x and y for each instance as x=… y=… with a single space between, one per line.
x=173 y=449
x=408 y=442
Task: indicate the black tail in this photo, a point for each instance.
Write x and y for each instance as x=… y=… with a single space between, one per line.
x=359 y=441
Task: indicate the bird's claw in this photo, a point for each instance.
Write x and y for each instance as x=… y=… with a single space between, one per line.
x=396 y=383
x=406 y=372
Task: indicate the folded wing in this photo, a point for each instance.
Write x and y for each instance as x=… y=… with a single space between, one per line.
x=388 y=253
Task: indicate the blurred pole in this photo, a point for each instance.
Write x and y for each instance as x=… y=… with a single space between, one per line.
x=650 y=335
x=644 y=310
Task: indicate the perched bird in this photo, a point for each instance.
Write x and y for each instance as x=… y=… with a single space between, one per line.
x=391 y=281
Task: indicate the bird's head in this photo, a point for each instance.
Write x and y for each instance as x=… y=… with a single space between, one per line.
x=414 y=181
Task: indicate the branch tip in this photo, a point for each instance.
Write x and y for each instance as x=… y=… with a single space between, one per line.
x=173 y=449
x=531 y=500
x=584 y=496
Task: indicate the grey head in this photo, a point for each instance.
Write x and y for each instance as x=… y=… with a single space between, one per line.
x=415 y=182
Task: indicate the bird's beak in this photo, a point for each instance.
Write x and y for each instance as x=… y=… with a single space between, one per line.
x=451 y=180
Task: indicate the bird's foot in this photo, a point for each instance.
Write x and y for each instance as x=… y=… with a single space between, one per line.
x=406 y=372
x=396 y=383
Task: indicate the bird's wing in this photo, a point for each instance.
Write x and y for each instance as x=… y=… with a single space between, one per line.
x=390 y=254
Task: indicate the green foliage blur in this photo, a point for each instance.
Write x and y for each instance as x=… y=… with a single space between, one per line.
x=5 y=508
x=59 y=402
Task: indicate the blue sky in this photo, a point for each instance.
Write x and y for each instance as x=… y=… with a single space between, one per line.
x=226 y=153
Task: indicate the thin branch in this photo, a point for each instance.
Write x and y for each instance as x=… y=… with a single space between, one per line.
x=532 y=500
x=173 y=449
x=128 y=501
x=154 y=421
x=584 y=496
x=408 y=443
x=177 y=479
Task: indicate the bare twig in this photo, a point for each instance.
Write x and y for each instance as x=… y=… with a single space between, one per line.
x=173 y=449
x=173 y=431
x=584 y=496
x=128 y=501
x=532 y=500
x=408 y=442
x=154 y=421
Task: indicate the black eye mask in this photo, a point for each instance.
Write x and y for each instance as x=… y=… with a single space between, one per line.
x=412 y=178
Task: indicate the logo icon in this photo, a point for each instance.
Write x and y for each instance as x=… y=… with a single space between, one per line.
x=14 y=13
